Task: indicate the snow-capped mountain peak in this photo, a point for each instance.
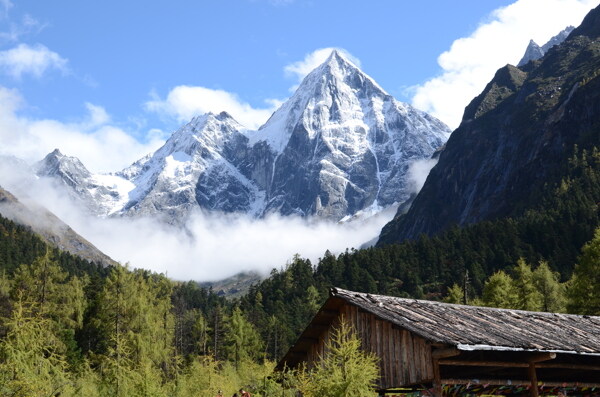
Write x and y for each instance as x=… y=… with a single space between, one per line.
x=340 y=145
x=331 y=93
x=70 y=169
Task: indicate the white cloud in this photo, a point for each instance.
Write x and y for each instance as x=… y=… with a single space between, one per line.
x=184 y=102
x=418 y=171
x=100 y=145
x=301 y=68
x=471 y=62
x=212 y=246
x=34 y=60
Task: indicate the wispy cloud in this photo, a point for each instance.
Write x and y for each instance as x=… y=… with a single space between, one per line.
x=101 y=145
x=471 y=61
x=5 y=6
x=300 y=69
x=34 y=60
x=184 y=102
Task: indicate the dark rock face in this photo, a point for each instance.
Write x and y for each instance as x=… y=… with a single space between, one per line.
x=512 y=140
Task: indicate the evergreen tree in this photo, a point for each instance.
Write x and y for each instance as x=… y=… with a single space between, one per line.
x=552 y=291
x=136 y=322
x=499 y=291
x=583 y=292
x=528 y=296
x=242 y=340
x=344 y=371
x=455 y=294
x=32 y=360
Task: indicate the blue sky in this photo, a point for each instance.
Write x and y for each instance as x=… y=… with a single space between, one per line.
x=107 y=68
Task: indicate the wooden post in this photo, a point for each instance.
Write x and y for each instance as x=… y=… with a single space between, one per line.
x=437 y=381
x=533 y=378
x=436 y=355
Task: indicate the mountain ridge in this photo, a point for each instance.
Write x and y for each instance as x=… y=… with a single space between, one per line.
x=340 y=145
x=497 y=160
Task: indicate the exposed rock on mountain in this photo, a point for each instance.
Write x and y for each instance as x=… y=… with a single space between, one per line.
x=535 y=52
x=513 y=139
x=339 y=146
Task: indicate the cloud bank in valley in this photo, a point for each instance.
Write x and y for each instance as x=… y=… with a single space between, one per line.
x=211 y=246
x=471 y=61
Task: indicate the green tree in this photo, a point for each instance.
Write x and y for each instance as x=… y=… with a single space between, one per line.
x=344 y=371
x=528 y=296
x=243 y=342
x=32 y=360
x=499 y=291
x=552 y=291
x=583 y=296
x=136 y=322
x=455 y=294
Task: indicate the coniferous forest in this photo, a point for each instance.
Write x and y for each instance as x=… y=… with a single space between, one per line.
x=70 y=327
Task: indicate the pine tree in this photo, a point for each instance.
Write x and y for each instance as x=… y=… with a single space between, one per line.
x=583 y=293
x=242 y=340
x=552 y=291
x=528 y=296
x=455 y=294
x=32 y=360
x=136 y=322
x=499 y=291
x=344 y=371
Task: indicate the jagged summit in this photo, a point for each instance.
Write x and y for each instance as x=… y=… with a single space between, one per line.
x=338 y=146
x=70 y=169
x=535 y=52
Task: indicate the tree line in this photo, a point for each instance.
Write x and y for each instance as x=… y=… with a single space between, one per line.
x=71 y=327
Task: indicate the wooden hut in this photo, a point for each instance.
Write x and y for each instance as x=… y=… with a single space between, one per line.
x=435 y=346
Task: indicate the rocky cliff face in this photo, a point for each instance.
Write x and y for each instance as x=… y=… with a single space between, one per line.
x=339 y=146
x=513 y=138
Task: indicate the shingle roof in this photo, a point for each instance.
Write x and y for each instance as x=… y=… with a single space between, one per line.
x=483 y=328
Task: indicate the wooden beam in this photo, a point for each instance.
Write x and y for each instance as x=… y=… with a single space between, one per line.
x=514 y=364
x=444 y=353
x=581 y=367
x=484 y=363
x=533 y=390
x=536 y=358
x=514 y=382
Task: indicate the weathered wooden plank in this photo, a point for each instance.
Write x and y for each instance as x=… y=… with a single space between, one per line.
x=397 y=357
x=405 y=358
x=411 y=362
x=515 y=382
x=392 y=358
x=384 y=352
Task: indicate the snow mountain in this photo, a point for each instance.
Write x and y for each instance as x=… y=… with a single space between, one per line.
x=339 y=146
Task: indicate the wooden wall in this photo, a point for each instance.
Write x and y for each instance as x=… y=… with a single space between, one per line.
x=405 y=359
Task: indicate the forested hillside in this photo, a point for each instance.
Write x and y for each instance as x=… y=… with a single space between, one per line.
x=70 y=327
x=553 y=231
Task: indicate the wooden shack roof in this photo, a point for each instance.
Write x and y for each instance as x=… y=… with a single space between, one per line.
x=471 y=328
